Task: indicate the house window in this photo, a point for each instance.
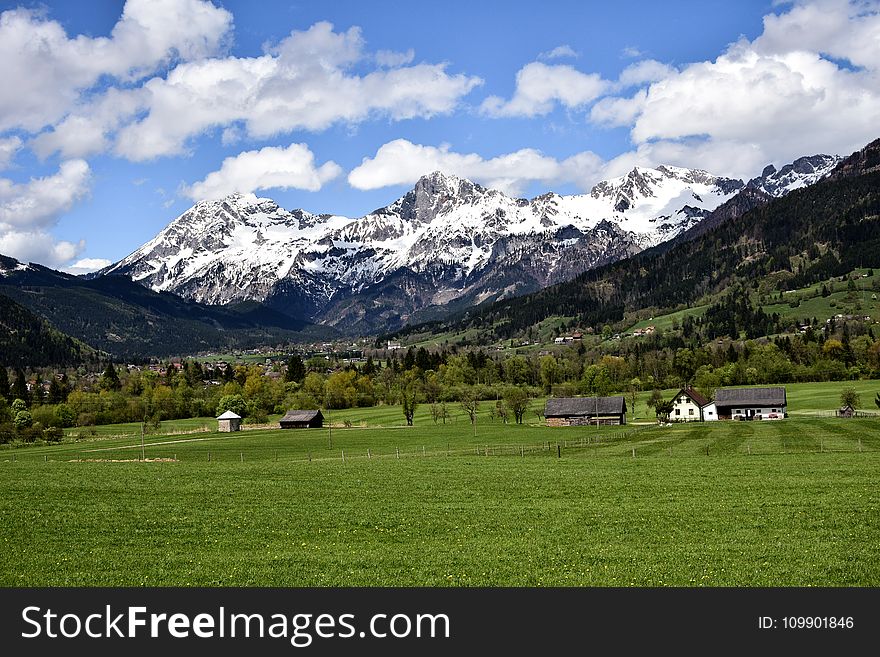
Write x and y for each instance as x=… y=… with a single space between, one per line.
x=690 y=411
x=772 y=410
x=737 y=411
x=678 y=411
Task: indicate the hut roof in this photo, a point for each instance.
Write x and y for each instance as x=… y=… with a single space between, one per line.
x=300 y=416
x=229 y=415
x=573 y=406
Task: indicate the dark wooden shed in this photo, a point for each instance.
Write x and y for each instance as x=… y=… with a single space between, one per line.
x=583 y=411
x=302 y=420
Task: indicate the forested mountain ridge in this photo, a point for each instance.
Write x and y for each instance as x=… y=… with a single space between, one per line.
x=26 y=339
x=124 y=319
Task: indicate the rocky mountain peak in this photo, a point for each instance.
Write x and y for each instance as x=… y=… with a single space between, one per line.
x=800 y=173
x=435 y=193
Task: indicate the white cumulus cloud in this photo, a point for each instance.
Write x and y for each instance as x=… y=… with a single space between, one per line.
x=45 y=71
x=391 y=58
x=402 y=162
x=268 y=168
x=809 y=83
x=38 y=246
x=8 y=148
x=29 y=210
x=541 y=87
x=647 y=70
x=87 y=265
x=306 y=83
x=41 y=201
x=559 y=52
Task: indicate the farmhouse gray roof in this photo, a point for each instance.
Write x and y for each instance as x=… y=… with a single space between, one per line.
x=575 y=406
x=300 y=416
x=727 y=397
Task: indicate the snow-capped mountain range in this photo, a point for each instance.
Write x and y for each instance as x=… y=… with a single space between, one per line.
x=448 y=243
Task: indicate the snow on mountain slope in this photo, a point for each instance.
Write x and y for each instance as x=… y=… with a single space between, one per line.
x=447 y=239
x=802 y=172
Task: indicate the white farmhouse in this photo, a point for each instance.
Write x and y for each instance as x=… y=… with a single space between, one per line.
x=690 y=406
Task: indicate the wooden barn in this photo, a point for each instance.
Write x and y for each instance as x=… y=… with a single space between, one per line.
x=584 y=411
x=229 y=421
x=302 y=420
x=751 y=403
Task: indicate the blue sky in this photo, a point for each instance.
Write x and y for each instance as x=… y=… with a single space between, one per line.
x=116 y=117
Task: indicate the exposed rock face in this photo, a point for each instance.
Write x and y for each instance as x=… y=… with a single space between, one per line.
x=866 y=160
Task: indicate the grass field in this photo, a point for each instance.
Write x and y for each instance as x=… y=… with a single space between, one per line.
x=793 y=503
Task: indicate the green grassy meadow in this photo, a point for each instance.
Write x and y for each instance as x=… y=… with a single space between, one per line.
x=788 y=503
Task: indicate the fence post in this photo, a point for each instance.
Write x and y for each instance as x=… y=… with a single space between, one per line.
x=369 y=454
x=209 y=457
x=634 y=452
x=310 y=456
x=276 y=455
x=558 y=451
x=397 y=449
x=522 y=451
x=707 y=450
x=423 y=451
x=241 y=456
x=860 y=445
x=343 y=456
x=749 y=447
x=45 y=458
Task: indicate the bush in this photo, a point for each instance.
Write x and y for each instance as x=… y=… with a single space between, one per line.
x=85 y=420
x=22 y=420
x=256 y=415
x=234 y=403
x=7 y=432
x=53 y=434
x=32 y=433
x=45 y=415
x=64 y=416
x=86 y=433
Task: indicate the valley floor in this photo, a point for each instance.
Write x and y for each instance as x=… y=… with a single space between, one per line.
x=788 y=503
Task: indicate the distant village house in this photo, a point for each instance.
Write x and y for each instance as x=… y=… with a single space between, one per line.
x=584 y=411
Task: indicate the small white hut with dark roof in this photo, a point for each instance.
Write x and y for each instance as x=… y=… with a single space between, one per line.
x=229 y=421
